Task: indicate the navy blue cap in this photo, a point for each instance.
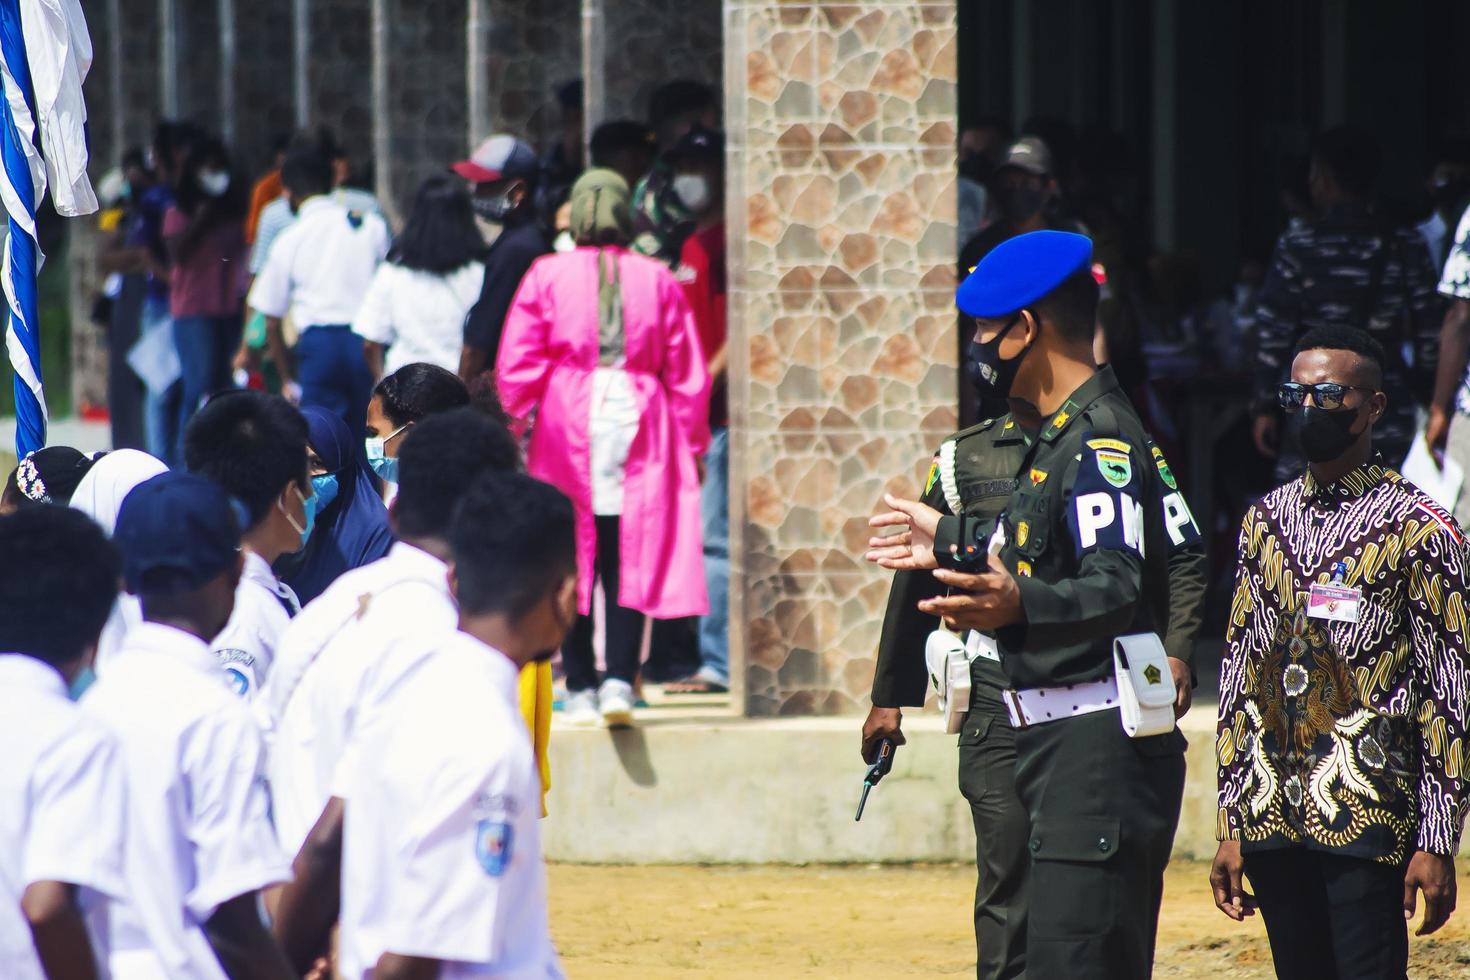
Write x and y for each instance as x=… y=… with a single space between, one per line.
x=177 y=531
x=1020 y=271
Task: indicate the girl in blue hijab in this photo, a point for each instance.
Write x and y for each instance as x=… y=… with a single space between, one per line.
x=351 y=523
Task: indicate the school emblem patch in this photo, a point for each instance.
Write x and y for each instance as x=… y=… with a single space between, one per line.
x=492 y=846
x=238 y=682
x=1115 y=467
x=1164 y=472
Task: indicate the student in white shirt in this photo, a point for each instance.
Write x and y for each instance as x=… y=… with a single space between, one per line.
x=200 y=844
x=318 y=270
x=416 y=306
x=254 y=446
x=334 y=665
x=443 y=874
x=63 y=802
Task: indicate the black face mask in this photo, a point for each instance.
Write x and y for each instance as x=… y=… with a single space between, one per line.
x=991 y=374
x=1017 y=204
x=1325 y=435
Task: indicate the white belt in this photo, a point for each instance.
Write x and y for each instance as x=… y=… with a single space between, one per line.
x=1043 y=704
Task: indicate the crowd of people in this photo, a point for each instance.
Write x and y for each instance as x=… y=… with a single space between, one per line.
x=366 y=486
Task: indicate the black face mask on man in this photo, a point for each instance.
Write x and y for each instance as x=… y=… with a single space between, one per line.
x=1325 y=434
x=1019 y=202
x=991 y=374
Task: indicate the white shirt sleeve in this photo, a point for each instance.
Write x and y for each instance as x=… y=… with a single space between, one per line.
x=451 y=892
x=78 y=815
x=383 y=238
x=271 y=293
x=235 y=847
x=374 y=320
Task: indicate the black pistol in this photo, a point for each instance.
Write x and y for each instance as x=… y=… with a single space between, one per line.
x=882 y=763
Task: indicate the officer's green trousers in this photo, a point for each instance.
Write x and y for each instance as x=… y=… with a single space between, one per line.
x=1102 y=809
x=988 y=782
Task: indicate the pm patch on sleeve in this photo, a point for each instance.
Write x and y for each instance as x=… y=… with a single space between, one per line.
x=1105 y=509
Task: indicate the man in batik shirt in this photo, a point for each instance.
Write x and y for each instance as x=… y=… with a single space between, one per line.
x=1342 y=734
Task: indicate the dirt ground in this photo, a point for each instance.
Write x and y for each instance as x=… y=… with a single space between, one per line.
x=622 y=923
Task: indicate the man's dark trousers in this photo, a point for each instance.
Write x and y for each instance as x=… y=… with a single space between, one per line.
x=1330 y=915
x=988 y=782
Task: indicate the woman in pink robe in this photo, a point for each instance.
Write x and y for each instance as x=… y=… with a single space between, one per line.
x=600 y=359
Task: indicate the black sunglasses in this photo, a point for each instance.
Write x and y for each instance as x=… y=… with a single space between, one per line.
x=1326 y=395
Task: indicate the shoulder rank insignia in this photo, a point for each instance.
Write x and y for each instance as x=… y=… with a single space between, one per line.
x=1152 y=674
x=1060 y=420
x=1164 y=472
x=1038 y=477
x=1010 y=424
x=1116 y=467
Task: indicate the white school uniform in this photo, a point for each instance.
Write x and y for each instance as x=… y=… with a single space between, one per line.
x=199 y=831
x=319 y=268
x=63 y=807
x=331 y=665
x=246 y=647
x=417 y=315
x=441 y=844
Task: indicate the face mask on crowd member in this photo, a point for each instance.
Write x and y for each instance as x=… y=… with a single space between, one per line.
x=1019 y=195
x=694 y=191
x=213 y=183
x=498 y=200
x=401 y=399
x=1334 y=400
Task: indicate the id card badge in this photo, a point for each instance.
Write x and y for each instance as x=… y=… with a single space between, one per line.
x=1338 y=603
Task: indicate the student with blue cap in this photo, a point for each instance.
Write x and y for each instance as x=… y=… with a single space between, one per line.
x=1042 y=535
x=199 y=844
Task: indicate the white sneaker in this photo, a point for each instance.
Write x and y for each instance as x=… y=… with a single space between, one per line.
x=615 y=699
x=580 y=708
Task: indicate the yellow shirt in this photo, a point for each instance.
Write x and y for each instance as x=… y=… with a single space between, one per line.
x=536 y=707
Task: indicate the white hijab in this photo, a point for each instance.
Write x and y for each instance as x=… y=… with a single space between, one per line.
x=100 y=496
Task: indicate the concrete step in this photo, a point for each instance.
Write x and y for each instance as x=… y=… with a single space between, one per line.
x=690 y=786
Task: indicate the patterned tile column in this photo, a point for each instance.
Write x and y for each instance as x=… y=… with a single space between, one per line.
x=654 y=41
x=339 y=72
x=264 y=65
x=842 y=209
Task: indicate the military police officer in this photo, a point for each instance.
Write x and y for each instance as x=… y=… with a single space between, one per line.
x=1098 y=543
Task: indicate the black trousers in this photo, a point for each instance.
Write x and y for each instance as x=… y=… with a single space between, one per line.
x=1102 y=808
x=1330 y=915
x=624 y=629
x=988 y=782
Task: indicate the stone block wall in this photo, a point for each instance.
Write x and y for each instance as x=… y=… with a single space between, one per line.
x=656 y=41
x=841 y=150
x=264 y=96
x=339 y=72
x=523 y=51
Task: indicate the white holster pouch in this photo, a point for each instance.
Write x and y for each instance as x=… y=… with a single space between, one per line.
x=949 y=672
x=1145 y=685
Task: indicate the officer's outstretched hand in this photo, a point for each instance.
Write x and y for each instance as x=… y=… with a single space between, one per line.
x=911 y=549
x=1228 y=882
x=1434 y=875
x=988 y=601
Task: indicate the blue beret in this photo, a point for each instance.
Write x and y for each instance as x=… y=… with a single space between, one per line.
x=1020 y=271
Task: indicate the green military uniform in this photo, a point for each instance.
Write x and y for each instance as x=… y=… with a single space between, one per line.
x=975 y=474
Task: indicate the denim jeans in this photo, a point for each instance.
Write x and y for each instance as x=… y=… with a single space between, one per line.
x=334 y=375
x=205 y=345
x=714 y=629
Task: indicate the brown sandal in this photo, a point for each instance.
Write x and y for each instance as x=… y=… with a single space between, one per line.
x=695 y=685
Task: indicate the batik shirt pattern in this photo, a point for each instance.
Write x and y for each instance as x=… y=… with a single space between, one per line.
x=1455 y=284
x=1346 y=736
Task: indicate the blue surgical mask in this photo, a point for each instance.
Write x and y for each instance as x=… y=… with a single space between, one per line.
x=384 y=465
x=79 y=684
x=326 y=490
x=308 y=506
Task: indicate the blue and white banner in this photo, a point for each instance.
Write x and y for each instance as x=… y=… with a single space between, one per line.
x=45 y=53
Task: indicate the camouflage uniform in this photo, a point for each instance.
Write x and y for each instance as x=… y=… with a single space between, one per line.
x=1350 y=269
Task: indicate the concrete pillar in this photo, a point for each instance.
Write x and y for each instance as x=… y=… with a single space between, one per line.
x=195 y=59
x=842 y=249
x=339 y=72
x=420 y=114
x=258 y=76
